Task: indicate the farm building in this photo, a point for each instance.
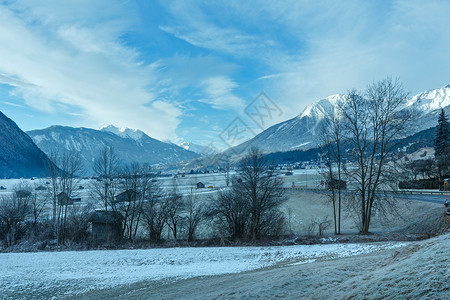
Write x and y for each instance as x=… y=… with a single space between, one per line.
x=127 y=196
x=106 y=225
x=64 y=199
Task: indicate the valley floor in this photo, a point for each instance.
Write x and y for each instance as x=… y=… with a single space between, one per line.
x=419 y=270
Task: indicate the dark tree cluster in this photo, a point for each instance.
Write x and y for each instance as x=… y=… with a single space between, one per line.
x=250 y=209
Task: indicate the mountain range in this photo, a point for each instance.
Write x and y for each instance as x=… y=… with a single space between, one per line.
x=303 y=131
x=19 y=156
x=130 y=145
x=418 y=142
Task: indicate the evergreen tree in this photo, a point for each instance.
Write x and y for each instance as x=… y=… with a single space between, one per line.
x=441 y=145
x=442 y=139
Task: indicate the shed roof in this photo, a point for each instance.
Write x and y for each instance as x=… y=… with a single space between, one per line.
x=103 y=217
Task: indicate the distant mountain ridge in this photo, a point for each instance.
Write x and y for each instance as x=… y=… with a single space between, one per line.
x=134 y=134
x=199 y=149
x=19 y=156
x=130 y=145
x=302 y=132
x=421 y=140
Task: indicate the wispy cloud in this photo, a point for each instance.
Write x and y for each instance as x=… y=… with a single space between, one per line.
x=13 y=104
x=55 y=57
x=193 y=25
x=190 y=59
x=316 y=49
x=219 y=92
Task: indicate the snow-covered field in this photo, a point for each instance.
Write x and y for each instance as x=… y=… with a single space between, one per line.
x=45 y=275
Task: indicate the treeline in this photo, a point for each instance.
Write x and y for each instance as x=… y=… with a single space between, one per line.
x=48 y=213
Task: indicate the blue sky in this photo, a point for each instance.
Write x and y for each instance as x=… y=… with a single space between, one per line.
x=187 y=69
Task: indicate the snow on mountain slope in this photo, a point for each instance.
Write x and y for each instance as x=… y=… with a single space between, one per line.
x=199 y=149
x=301 y=132
x=124 y=132
x=297 y=133
x=431 y=100
x=130 y=145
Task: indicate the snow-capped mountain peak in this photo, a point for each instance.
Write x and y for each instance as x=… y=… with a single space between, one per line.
x=124 y=132
x=431 y=99
x=130 y=145
x=301 y=132
x=199 y=149
x=323 y=108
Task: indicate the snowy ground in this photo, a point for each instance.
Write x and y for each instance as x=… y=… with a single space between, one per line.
x=418 y=270
x=57 y=274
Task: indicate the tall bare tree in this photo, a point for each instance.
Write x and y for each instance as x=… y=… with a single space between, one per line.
x=137 y=186
x=106 y=167
x=227 y=174
x=39 y=200
x=64 y=182
x=373 y=121
x=332 y=152
x=173 y=204
x=262 y=190
x=196 y=212
x=155 y=213
x=231 y=212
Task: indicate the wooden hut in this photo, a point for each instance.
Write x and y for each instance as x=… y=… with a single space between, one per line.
x=126 y=196
x=64 y=199
x=106 y=226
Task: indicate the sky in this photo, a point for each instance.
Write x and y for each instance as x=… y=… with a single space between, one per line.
x=191 y=70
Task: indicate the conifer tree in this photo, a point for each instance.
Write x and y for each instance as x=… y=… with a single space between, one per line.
x=442 y=139
x=442 y=143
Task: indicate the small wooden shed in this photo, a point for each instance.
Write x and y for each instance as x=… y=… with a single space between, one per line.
x=200 y=185
x=127 y=196
x=64 y=199
x=106 y=226
x=23 y=194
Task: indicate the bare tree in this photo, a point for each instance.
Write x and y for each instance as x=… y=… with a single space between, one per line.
x=231 y=212
x=154 y=212
x=53 y=171
x=106 y=170
x=320 y=225
x=155 y=218
x=64 y=183
x=38 y=203
x=373 y=121
x=332 y=152
x=227 y=174
x=262 y=189
x=173 y=203
x=251 y=208
x=78 y=222
x=196 y=212
x=14 y=209
x=136 y=186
